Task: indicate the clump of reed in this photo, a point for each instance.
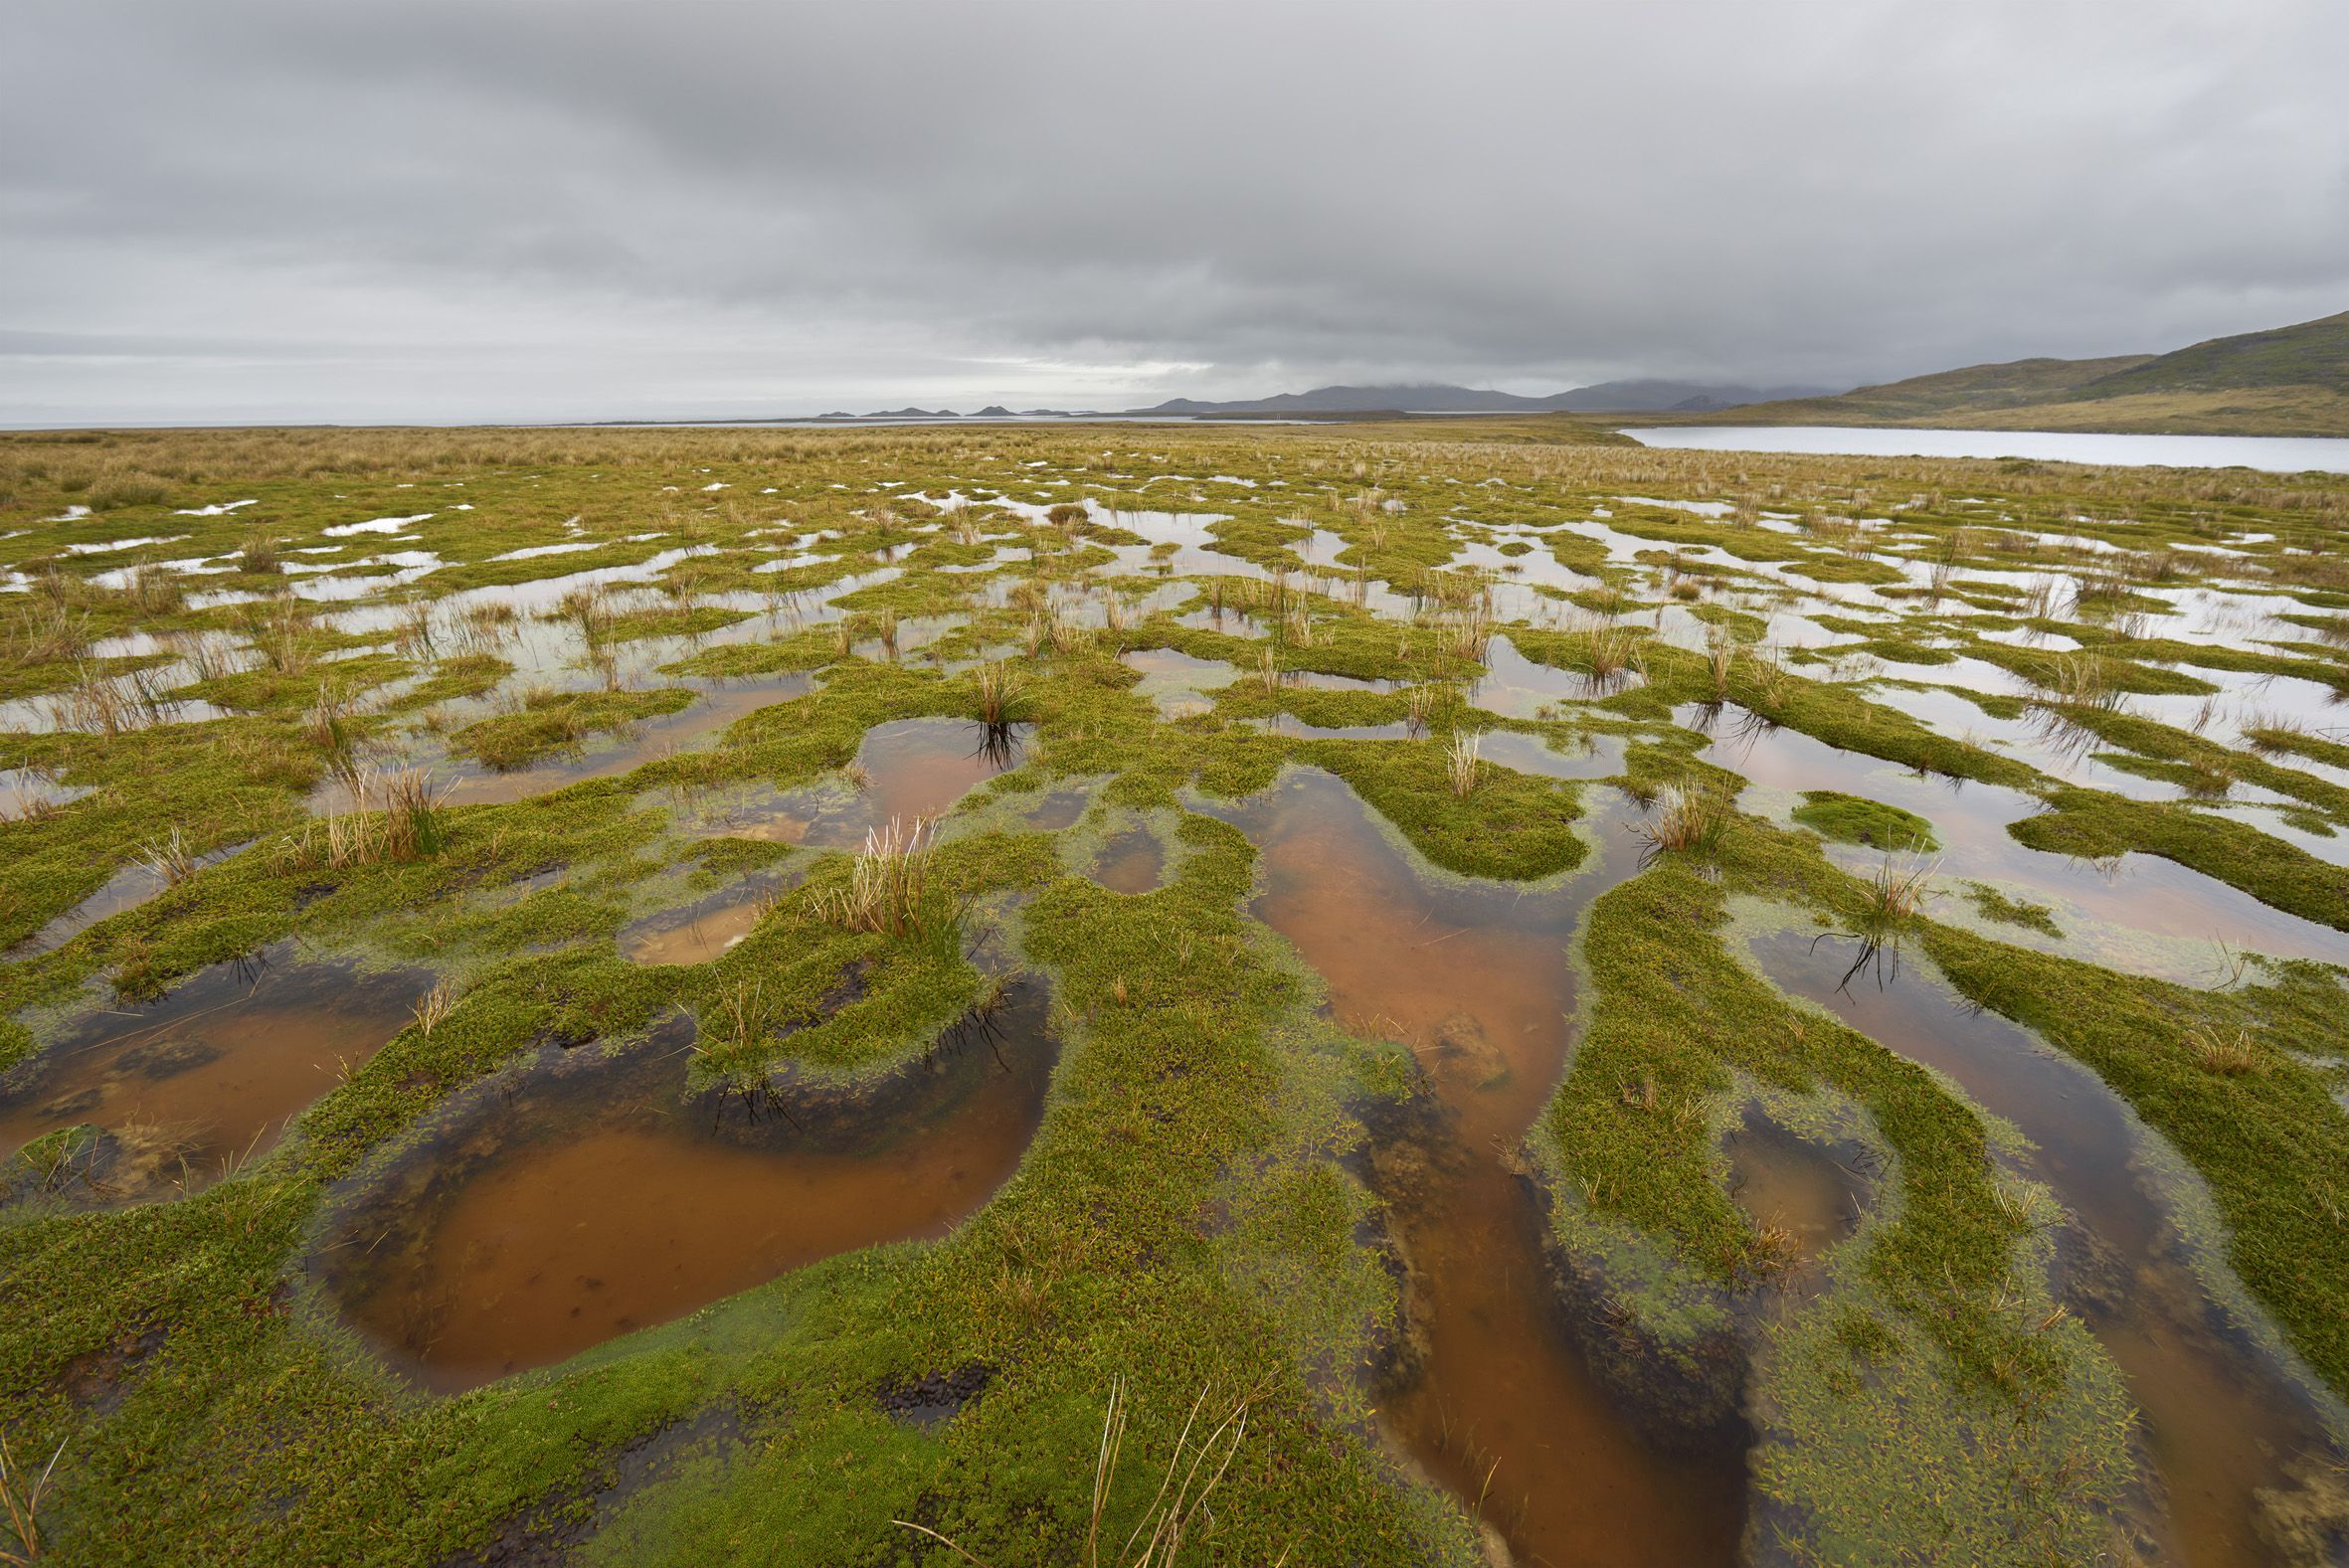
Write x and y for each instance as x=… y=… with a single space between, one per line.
x=1721 y=662
x=1001 y=691
x=168 y=859
x=1178 y=1509
x=737 y=1020
x=889 y=892
x=1460 y=764
x=30 y=801
x=328 y=721
x=1467 y=633
x=590 y=608
x=1689 y=820
x=102 y=704
x=2228 y=1052
x=1607 y=651
x=395 y=817
x=150 y=590
x=1897 y=893
x=2081 y=680
x=1421 y=704
x=280 y=629
x=413 y=636
x=434 y=1006
x=43 y=632
x=2093 y=592
x=259 y=554
x=487 y=622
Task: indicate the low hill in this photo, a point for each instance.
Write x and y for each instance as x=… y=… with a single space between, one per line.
x=2291 y=381
x=1976 y=387
x=2312 y=354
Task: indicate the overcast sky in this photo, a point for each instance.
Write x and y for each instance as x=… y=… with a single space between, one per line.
x=345 y=211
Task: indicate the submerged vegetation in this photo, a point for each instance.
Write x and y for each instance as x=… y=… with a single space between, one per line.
x=1001 y=994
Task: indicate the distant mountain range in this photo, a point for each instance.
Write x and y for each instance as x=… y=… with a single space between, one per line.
x=1609 y=396
x=2291 y=381
x=2288 y=381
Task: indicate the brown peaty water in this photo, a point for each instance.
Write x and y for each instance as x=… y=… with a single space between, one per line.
x=1130 y=862
x=2222 y=1419
x=704 y=934
x=1804 y=1193
x=581 y=1197
x=907 y=769
x=1474 y=978
x=214 y=1070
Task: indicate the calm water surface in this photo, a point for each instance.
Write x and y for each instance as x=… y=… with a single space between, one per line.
x=2273 y=453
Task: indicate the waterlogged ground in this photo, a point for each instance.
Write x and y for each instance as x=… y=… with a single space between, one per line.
x=1383 y=993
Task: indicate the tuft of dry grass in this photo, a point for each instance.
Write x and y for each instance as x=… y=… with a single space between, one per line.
x=435 y=1007
x=1001 y=689
x=43 y=632
x=888 y=892
x=1686 y=821
x=328 y=719
x=2082 y=679
x=149 y=591
x=110 y=704
x=20 y=1500
x=1608 y=650
x=2227 y=1052
x=1721 y=662
x=1897 y=892
x=741 y=1016
x=1177 y=1510
x=1460 y=767
x=1421 y=703
x=1469 y=633
x=169 y=859
x=405 y=827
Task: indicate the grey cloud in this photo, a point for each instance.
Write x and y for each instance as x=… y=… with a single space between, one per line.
x=657 y=207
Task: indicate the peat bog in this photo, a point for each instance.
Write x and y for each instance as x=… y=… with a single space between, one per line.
x=1459 y=992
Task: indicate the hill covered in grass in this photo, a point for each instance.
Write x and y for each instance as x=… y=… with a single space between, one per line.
x=2289 y=380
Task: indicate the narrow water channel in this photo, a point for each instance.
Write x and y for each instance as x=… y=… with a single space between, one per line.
x=1474 y=977
x=2224 y=1418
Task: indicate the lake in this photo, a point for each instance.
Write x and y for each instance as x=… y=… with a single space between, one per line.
x=2272 y=453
